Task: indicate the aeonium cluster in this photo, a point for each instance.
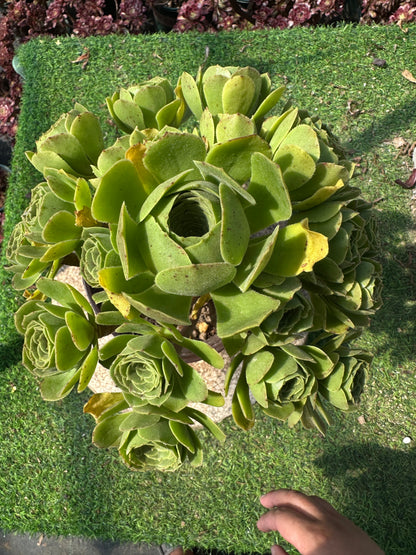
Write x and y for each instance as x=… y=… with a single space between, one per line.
x=250 y=215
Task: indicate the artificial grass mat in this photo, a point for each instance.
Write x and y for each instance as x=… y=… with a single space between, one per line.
x=52 y=480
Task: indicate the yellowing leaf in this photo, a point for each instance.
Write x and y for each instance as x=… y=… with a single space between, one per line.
x=407 y=75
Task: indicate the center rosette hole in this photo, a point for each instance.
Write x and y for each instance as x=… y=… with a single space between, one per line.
x=187 y=217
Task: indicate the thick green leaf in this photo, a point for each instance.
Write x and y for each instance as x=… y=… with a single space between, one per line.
x=238 y=415
x=48 y=159
x=128 y=114
x=183 y=434
x=61 y=292
x=268 y=103
x=192 y=384
x=280 y=128
x=191 y=94
x=207 y=423
x=232 y=126
x=157 y=248
x=237 y=311
x=207 y=127
x=150 y=98
x=238 y=94
x=255 y=260
x=82 y=332
x=214 y=399
x=70 y=150
x=107 y=433
x=62 y=184
x=59 y=250
x=162 y=190
x=112 y=280
x=235 y=230
x=319 y=197
x=162 y=306
x=234 y=156
x=257 y=366
x=120 y=184
x=326 y=175
x=269 y=190
x=173 y=154
x=66 y=353
x=59 y=385
x=168 y=114
x=218 y=175
x=243 y=395
x=136 y=420
x=88 y=368
x=195 y=279
x=213 y=86
x=204 y=351
x=305 y=138
x=208 y=248
x=234 y=366
x=296 y=164
x=86 y=128
x=114 y=346
x=259 y=392
x=127 y=245
x=82 y=196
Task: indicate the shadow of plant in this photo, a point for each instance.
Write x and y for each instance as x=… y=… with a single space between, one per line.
x=394 y=323
x=379 y=484
x=11 y=352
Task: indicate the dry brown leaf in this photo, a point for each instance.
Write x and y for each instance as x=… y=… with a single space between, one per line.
x=85 y=56
x=407 y=75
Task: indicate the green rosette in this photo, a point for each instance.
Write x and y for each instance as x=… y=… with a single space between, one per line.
x=72 y=144
x=152 y=104
x=60 y=341
x=97 y=252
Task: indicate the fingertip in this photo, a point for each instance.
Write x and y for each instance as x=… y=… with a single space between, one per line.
x=272 y=498
x=277 y=550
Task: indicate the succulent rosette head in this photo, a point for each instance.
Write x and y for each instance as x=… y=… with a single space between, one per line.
x=72 y=144
x=139 y=370
x=229 y=90
x=149 y=371
x=96 y=253
x=345 y=385
x=284 y=382
x=152 y=104
x=148 y=438
x=145 y=453
x=60 y=343
x=49 y=230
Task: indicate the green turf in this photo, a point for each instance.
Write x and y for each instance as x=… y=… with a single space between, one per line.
x=53 y=481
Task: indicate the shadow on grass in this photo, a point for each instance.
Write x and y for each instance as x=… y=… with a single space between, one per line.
x=11 y=352
x=395 y=320
x=383 y=128
x=380 y=485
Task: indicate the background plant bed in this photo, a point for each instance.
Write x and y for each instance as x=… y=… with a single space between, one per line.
x=364 y=469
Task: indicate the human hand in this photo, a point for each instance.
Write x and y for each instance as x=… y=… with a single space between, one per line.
x=313 y=526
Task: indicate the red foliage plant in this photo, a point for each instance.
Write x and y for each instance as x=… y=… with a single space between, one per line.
x=21 y=20
x=24 y=19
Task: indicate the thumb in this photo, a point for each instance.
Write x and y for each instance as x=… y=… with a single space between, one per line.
x=277 y=550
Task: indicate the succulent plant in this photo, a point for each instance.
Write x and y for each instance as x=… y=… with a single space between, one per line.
x=152 y=104
x=250 y=217
x=60 y=341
